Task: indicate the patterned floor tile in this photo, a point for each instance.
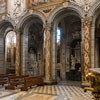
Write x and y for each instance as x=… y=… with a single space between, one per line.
x=52 y=92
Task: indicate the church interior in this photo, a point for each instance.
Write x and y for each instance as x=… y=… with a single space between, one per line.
x=49 y=50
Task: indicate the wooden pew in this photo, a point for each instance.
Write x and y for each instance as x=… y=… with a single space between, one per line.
x=32 y=81
x=4 y=79
x=15 y=82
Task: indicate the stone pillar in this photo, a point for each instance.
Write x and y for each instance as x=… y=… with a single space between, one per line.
x=93 y=44
x=40 y=58
x=63 y=59
x=53 y=52
x=96 y=53
x=82 y=50
x=48 y=69
x=18 y=53
x=87 y=45
x=12 y=55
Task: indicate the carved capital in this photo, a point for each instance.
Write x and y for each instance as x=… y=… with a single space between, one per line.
x=47 y=26
x=87 y=21
x=17 y=30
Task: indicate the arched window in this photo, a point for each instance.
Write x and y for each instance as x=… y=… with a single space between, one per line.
x=10 y=48
x=58 y=35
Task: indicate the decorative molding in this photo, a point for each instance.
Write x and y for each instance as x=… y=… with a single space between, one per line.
x=85 y=4
x=48 y=4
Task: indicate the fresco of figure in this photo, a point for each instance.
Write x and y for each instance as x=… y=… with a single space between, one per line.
x=33 y=2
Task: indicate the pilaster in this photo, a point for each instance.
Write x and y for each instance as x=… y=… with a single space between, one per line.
x=18 y=52
x=48 y=68
x=87 y=45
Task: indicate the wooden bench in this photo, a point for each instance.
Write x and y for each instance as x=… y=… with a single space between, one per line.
x=4 y=79
x=15 y=82
x=32 y=81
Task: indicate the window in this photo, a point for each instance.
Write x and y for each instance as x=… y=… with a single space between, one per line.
x=58 y=35
x=58 y=44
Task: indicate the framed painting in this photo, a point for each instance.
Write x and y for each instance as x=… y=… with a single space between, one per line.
x=31 y=3
x=3 y=7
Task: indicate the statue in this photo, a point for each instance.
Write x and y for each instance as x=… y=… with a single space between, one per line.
x=73 y=62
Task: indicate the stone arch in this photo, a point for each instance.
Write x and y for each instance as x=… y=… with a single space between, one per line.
x=61 y=12
x=94 y=9
x=27 y=16
x=60 y=9
x=5 y=26
x=95 y=13
x=32 y=21
x=8 y=20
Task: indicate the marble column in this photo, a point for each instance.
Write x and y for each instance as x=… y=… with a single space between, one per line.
x=96 y=53
x=87 y=45
x=53 y=53
x=12 y=55
x=40 y=59
x=93 y=44
x=63 y=60
x=18 y=53
x=48 y=69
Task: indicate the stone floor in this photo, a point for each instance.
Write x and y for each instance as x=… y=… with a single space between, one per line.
x=61 y=91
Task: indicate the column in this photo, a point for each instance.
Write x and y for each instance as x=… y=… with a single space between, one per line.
x=63 y=59
x=40 y=58
x=18 y=52
x=48 y=71
x=12 y=55
x=53 y=53
x=63 y=51
x=86 y=45
x=93 y=44
x=96 y=53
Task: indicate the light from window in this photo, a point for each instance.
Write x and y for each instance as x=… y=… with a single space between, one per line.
x=58 y=35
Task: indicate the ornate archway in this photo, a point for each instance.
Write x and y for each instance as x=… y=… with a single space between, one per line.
x=62 y=20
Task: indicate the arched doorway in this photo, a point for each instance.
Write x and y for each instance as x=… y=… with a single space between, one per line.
x=10 y=52
x=5 y=27
x=32 y=41
x=67 y=26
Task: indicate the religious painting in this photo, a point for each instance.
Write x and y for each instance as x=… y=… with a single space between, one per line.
x=36 y=2
x=3 y=4
x=32 y=3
